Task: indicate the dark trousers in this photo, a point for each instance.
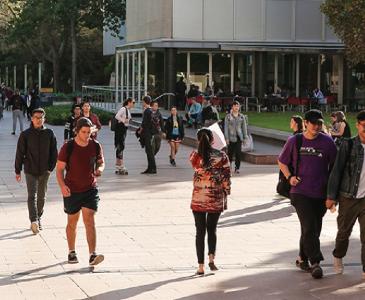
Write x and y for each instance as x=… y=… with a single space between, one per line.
x=37 y=189
x=150 y=152
x=205 y=222
x=234 y=151
x=349 y=211
x=310 y=212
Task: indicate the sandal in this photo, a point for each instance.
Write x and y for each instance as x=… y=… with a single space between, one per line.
x=212 y=266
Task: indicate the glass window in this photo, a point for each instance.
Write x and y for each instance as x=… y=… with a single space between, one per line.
x=242 y=74
x=329 y=74
x=222 y=73
x=199 y=70
x=156 y=65
x=308 y=74
x=181 y=66
x=287 y=74
x=269 y=68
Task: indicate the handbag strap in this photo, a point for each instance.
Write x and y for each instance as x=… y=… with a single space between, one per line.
x=298 y=143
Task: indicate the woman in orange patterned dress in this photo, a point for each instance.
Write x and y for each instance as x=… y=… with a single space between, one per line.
x=212 y=184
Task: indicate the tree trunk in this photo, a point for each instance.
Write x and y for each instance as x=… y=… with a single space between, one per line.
x=56 y=72
x=74 y=53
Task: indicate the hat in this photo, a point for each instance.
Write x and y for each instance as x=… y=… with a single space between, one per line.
x=314 y=116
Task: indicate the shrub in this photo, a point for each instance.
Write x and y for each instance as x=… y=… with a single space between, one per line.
x=58 y=114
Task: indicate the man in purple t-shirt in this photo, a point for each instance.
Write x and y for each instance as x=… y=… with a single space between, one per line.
x=308 y=186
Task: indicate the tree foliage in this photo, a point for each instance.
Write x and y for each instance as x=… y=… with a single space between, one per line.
x=347 y=17
x=50 y=30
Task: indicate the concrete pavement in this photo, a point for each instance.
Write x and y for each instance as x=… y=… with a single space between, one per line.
x=146 y=232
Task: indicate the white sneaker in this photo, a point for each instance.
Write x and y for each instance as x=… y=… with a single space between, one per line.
x=338 y=265
x=34 y=227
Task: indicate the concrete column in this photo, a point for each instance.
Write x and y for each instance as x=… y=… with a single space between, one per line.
x=232 y=72
x=340 y=79
x=139 y=75
x=297 y=77
x=122 y=77
x=276 y=72
x=145 y=71
x=210 y=69
x=117 y=79
x=253 y=75
x=261 y=74
x=170 y=75
x=127 y=83
x=188 y=71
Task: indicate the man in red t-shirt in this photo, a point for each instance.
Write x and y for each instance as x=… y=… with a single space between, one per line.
x=83 y=160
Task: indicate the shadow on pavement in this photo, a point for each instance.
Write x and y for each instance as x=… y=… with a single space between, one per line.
x=248 y=218
x=16 y=235
x=137 y=290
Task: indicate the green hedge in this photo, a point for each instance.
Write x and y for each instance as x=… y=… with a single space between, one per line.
x=58 y=114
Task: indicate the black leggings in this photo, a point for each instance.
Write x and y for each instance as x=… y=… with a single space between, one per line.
x=205 y=222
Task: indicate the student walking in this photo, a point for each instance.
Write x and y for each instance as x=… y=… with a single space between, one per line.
x=70 y=125
x=17 y=104
x=174 y=129
x=86 y=112
x=37 y=151
x=308 y=171
x=235 y=131
x=82 y=159
x=346 y=186
x=212 y=185
x=123 y=116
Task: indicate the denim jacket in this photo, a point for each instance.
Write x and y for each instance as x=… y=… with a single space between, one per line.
x=235 y=127
x=345 y=175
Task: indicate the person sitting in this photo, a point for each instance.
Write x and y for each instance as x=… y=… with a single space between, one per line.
x=194 y=113
x=340 y=128
x=209 y=114
x=319 y=97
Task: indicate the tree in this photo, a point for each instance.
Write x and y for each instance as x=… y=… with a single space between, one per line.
x=347 y=17
x=47 y=27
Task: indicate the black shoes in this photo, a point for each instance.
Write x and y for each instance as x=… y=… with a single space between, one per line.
x=95 y=259
x=13 y=133
x=40 y=224
x=172 y=161
x=72 y=258
x=212 y=266
x=303 y=265
x=317 y=271
x=147 y=171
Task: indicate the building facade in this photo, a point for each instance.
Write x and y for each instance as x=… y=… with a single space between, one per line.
x=247 y=47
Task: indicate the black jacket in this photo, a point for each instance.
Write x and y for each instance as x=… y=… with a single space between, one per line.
x=169 y=127
x=37 y=151
x=152 y=123
x=345 y=176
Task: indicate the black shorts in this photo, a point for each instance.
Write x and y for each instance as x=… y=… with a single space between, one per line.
x=76 y=201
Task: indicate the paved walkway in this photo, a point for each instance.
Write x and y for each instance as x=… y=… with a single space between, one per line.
x=146 y=232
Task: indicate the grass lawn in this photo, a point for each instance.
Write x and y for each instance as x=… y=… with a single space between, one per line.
x=280 y=120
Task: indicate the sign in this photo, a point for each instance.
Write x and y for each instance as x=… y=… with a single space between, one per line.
x=219 y=142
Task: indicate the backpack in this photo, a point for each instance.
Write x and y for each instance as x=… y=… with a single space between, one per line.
x=70 y=147
x=283 y=186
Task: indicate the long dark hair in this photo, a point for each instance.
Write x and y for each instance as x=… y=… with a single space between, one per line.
x=299 y=121
x=205 y=138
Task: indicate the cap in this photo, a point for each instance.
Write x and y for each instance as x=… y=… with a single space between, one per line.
x=314 y=116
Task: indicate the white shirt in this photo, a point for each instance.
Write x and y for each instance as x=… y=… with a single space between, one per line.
x=123 y=115
x=361 y=189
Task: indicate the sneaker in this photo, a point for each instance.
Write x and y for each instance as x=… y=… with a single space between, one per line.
x=34 y=227
x=13 y=133
x=171 y=160
x=303 y=265
x=95 y=259
x=173 y=163
x=317 y=271
x=236 y=171
x=72 y=258
x=40 y=224
x=338 y=265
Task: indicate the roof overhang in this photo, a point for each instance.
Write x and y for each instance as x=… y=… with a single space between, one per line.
x=251 y=46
